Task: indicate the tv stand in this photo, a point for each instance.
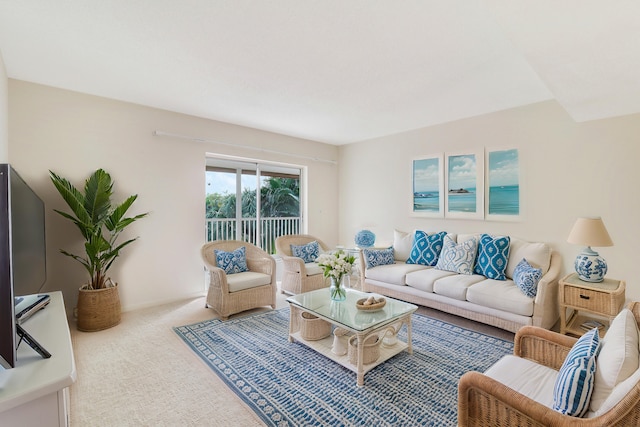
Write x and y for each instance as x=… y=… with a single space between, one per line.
x=36 y=391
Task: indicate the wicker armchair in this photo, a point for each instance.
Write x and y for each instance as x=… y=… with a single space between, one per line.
x=296 y=278
x=483 y=401
x=234 y=293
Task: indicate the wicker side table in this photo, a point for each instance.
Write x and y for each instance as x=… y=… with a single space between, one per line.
x=585 y=299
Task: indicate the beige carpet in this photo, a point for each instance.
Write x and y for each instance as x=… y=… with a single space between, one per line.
x=140 y=373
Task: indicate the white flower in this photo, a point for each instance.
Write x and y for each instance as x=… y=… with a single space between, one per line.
x=336 y=264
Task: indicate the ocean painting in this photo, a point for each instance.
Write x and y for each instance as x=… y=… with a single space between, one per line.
x=462 y=184
x=504 y=183
x=427 y=179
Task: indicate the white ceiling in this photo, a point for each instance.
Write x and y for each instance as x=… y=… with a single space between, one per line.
x=335 y=71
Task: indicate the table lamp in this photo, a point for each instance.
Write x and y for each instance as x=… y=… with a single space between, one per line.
x=590 y=266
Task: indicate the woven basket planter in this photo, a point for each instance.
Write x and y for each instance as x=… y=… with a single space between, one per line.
x=98 y=309
x=370 y=353
x=313 y=328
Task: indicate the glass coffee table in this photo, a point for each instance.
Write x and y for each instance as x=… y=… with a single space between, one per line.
x=384 y=323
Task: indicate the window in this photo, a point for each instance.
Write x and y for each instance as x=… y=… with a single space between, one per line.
x=270 y=201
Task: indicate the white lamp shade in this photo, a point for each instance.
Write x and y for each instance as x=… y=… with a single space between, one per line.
x=589 y=232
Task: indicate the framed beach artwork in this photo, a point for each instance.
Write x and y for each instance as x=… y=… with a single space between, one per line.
x=503 y=185
x=464 y=183
x=428 y=187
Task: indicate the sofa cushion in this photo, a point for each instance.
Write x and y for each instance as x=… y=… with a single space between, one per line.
x=232 y=262
x=308 y=252
x=493 y=254
x=456 y=286
x=376 y=257
x=392 y=273
x=425 y=278
x=246 y=280
x=533 y=380
x=574 y=384
x=426 y=248
x=502 y=295
x=536 y=254
x=457 y=257
x=402 y=243
x=526 y=278
x=618 y=359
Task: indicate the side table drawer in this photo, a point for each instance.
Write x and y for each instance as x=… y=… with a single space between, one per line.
x=601 y=302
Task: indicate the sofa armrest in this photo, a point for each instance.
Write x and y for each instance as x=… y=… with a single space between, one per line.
x=545 y=347
x=546 y=308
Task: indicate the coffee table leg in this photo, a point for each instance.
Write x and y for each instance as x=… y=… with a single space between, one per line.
x=409 y=344
x=292 y=309
x=360 y=360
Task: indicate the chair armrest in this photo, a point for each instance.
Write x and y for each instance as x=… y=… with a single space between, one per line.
x=483 y=401
x=217 y=277
x=542 y=346
x=294 y=264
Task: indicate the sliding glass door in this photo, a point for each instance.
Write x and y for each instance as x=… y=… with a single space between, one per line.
x=269 y=196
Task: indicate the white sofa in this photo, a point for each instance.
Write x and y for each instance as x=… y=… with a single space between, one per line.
x=495 y=302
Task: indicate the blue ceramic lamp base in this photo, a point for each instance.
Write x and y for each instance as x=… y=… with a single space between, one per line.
x=590 y=266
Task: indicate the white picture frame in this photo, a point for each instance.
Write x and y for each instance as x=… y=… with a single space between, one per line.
x=427 y=191
x=464 y=185
x=503 y=184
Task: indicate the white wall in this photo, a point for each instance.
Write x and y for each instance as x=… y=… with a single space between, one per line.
x=74 y=134
x=4 y=113
x=570 y=169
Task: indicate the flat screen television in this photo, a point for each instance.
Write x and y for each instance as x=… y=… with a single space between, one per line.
x=22 y=255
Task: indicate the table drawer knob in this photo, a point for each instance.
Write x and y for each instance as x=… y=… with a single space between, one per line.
x=584 y=296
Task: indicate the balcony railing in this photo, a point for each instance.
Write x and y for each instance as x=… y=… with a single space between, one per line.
x=246 y=230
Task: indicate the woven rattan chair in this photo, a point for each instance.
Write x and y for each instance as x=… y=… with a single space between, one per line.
x=234 y=293
x=296 y=276
x=483 y=401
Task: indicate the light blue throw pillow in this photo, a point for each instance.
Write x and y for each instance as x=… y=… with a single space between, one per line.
x=458 y=257
x=493 y=255
x=526 y=278
x=426 y=248
x=232 y=262
x=376 y=257
x=308 y=253
x=574 y=384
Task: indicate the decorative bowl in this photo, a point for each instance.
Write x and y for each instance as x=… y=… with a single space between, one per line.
x=371 y=307
x=365 y=238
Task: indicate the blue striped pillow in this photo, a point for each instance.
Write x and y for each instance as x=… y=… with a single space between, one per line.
x=574 y=385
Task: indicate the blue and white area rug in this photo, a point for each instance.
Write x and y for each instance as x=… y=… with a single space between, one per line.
x=288 y=384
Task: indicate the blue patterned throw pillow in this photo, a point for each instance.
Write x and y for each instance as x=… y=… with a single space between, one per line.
x=526 y=278
x=426 y=248
x=574 y=384
x=232 y=262
x=308 y=253
x=376 y=257
x=457 y=257
x=493 y=255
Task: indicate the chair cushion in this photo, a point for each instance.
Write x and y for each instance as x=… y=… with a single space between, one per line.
x=247 y=280
x=312 y=268
x=618 y=358
x=426 y=248
x=457 y=257
x=574 y=385
x=376 y=257
x=526 y=278
x=493 y=254
x=533 y=380
x=232 y=262
x=308 y=252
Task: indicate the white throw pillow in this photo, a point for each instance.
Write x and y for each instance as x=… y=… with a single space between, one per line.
x=458 y=257
x=402 y=243
x=618 y=359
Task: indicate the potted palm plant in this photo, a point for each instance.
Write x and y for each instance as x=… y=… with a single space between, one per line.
x=100 y=222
